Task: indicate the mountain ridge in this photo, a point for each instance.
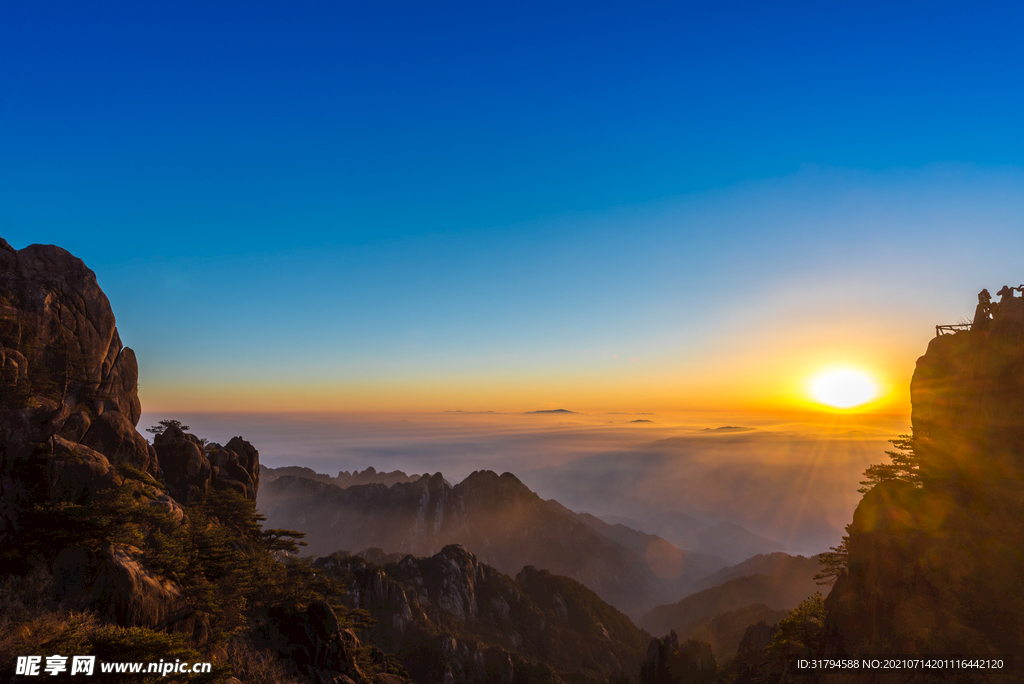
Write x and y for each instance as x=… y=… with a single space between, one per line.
x=496 y=517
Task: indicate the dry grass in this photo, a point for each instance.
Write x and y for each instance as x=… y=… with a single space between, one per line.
x=24 y=637
x=30 y=616
x=257 y=666
x=25 y=597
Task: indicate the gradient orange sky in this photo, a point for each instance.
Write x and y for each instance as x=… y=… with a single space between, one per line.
x=869 y=265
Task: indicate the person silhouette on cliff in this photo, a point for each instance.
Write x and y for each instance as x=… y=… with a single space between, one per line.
x=983 y=312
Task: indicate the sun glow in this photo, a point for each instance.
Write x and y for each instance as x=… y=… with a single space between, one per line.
x=844 y=388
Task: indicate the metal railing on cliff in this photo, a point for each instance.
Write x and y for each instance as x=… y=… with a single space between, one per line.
x=951 y=329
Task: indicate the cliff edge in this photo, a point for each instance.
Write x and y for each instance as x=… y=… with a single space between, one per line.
x=936 y=550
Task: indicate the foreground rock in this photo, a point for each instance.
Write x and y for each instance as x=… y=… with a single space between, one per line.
x=63 y=373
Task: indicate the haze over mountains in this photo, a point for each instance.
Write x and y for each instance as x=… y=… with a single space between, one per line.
x=496 y=517
x=500 y=520
x=777 y=581
x=794 y=484
x=723 y=538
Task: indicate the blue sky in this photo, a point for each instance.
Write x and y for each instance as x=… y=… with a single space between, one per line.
x=500 y=205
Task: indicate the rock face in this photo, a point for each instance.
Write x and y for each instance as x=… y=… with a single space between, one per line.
x=59 y=348
x=315 y=641
x=495 y=516
x=191 y=468
x=668 y=662
x=69 y=405
x=451 y=618
x=968 y=406
x=755 y=641
x=119 y=586
x=935 y=566
x=63 y=373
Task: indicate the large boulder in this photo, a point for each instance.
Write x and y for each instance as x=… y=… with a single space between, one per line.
x=113 y=435
x=64 y=377
x=77 y=474
x=236 y=467
x=185 y=467
x=669 y=662
x=58 y=339
x=190 y=467
x=115 y=582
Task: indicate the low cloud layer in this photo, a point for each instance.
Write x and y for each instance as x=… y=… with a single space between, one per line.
x=795 y=483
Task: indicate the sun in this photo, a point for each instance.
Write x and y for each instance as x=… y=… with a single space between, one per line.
x=844 y=388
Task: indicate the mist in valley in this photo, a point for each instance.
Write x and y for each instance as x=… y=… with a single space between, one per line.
x=789 y=479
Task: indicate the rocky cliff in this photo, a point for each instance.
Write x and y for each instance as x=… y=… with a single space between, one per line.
x=69 y=401
x=123 y=542
x=669 y=662
x=451 y=618
x=935 y=551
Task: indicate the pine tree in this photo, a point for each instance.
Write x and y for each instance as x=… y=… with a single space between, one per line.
x=905 y=466
x=834 y=562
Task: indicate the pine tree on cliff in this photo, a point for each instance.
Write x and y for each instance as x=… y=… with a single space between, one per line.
x=905 y=466
x=161 y=426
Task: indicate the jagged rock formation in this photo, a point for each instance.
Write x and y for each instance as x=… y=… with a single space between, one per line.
x=496 y=517
x=668 y=662
x=451 y=618
x=68 y=409
x=190 y=468
x=755 y=641
x=725 y=631
x=315 y=640
x=935 y=561
x=344 y=478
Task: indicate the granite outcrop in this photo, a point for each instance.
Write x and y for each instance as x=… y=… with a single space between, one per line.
x=934 y=555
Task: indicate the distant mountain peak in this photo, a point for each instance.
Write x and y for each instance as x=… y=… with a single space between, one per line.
x=551 y=411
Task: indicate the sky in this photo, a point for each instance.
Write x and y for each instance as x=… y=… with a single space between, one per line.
x=426 y=207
